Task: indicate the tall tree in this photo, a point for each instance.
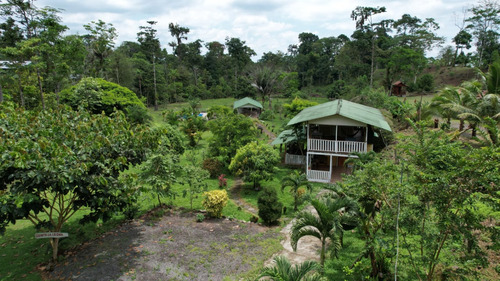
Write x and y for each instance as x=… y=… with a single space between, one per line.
x=151 y=47
x=266 y=79
x=364 y=22
x=100 y=42
x=179 y=33
x=484 y=24
x=240 y=55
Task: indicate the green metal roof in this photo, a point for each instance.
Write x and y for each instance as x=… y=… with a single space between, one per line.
x=246 y=101
x=351 y=110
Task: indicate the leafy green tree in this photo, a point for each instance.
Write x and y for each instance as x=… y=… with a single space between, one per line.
x=283 y=270
x=296 y=106
x=151 y=47
x=376 y=194
x=240 y=56
x=10 y=33
x=446 y=178
x=195 y=178
x=270 y=208
x=484 y=23
x=179 y=33
x=364 y=22
x=295 y=181
x=434 y=189
x=160 y=172
x=462 y=40
x=99 y=42
x=229 y=134
x=255 y=162
x=326 y=225
x=57 y=162
x=192 y=127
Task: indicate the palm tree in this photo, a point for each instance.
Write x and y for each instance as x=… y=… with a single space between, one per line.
x=326 y=225
x=295 y=181
x=453 y=101
x=284 y=271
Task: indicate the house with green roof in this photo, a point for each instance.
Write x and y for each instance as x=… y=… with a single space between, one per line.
x=333 y=132
x=248 y=106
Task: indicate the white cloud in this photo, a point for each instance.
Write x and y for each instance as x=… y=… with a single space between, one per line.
x=265 y=25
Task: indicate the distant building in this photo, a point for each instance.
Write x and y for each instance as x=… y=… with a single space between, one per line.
x=248 y=106
x=398 y=89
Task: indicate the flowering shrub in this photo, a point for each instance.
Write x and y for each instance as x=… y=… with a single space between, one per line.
x=214 y=202
x=222 y=181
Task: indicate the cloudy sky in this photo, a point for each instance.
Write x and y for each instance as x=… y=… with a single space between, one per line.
x=265 y=25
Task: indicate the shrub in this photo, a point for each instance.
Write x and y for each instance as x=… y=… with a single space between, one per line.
x=222 y=181
x=426 y=82
x=200 y=217
x=213 y=166
x=138 y=114
x=267 y=115
x=214 y=202
x=269 y=206
x=97 y=95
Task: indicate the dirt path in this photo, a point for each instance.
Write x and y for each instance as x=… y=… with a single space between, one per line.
x=169 y=245
x=235 y=193
x=264 y=129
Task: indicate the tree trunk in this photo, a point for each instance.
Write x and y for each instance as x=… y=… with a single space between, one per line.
x=322 y=255
x=40 y=88
x=54 y=242
x=21 y=94
x=373 y=262
x=1 y=93
x=195 y=72
x=154 y=82
x=372 y=63
x=461 y=126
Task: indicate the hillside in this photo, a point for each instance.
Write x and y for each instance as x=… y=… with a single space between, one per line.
x=450 y=76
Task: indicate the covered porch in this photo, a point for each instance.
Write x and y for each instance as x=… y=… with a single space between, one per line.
x=342 y=139
x=326 y=168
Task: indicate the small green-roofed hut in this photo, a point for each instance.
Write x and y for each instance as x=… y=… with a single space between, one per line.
x=248 y=106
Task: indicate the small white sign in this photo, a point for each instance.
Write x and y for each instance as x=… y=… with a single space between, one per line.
x=51 y=235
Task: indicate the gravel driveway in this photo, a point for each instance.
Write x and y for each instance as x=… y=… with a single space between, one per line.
x=169 y=245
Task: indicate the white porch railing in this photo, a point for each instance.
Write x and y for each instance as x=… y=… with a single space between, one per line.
x=291 y=159
x=318 y=176
x=335 y=146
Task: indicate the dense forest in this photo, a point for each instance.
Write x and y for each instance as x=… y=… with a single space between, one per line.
x=41 y=57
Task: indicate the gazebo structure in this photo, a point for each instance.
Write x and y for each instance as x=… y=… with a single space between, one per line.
x=248 y=106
